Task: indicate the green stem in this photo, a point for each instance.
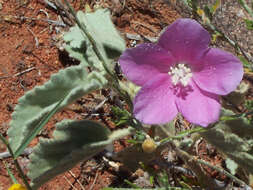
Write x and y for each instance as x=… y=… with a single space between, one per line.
x=231 y=117
x=121 y=133
x=183 y=134
x=204 y=180
x=134 y=186
x=14 y=181
x=191 y=160
x=246 y=7
x=22 y=174
x=90 y=38
x=222 y=171
x=113 y=77
x=20 y=171
x=123 y=94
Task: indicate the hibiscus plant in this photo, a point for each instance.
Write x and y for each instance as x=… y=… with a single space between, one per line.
x=178 y=77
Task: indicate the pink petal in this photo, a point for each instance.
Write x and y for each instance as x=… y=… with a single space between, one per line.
x=197 y=106
x=155 y=102
x=186 y=39
x=220 y=72
x=145 y=61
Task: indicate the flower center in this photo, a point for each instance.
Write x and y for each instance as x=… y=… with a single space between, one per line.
x=180 y=74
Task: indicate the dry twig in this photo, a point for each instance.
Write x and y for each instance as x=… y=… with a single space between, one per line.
x=35 y=37
x=20 y=73
x=94 y=182
x=70 y=183
x=74 y=176
x=6 y=154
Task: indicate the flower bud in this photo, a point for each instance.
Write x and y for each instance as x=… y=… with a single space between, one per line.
x=149 y=145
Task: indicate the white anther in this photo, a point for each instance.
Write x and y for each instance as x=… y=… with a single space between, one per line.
x=180 y=74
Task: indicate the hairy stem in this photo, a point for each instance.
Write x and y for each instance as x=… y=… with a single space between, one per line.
x=113 y=77
x=246 y=7
x=195 y=163
x=20 y=171
x=222 y=171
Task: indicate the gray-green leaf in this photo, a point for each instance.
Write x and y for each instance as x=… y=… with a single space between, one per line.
x=73 y=142
x=69 y=84
x=231 y=165
x=235 y=139
x=107 y=38
x=76 y=44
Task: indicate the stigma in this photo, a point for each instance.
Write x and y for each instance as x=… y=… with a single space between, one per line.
x=180 y=74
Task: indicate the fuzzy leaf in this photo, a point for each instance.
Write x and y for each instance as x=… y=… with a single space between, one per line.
x=73 y=142
x=76 y=45
x=234 y=138
x=68 y=84
x=35 y=131
x=107 y=39
x=100 y=26
x=231 y=165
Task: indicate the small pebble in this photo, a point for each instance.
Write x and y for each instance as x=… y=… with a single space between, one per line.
x=240 y=14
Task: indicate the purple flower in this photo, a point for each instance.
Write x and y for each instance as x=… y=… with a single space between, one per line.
x=180 y=73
